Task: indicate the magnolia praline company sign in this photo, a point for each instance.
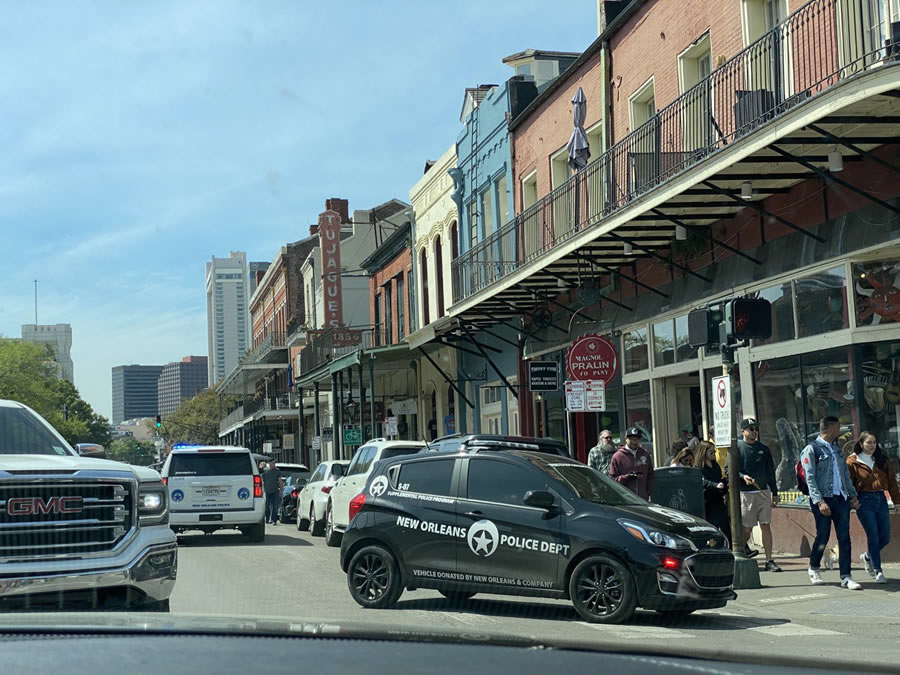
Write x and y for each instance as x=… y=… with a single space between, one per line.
x=592 y=357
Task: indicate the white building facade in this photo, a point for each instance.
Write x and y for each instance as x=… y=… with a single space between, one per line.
x=227 y=316
x=59 y=338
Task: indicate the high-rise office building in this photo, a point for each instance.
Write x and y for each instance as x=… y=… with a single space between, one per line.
x=227 y=318
x=59 y=338
x=134 y=392
x=180 y=380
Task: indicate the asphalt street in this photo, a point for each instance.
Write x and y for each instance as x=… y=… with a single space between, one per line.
x=295 y=576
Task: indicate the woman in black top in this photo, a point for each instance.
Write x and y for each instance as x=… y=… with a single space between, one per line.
x=715 y=487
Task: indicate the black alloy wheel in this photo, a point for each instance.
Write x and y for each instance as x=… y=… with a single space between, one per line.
x=602 y=590
x=374 y=578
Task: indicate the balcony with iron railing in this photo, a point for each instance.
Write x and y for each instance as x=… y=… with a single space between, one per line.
x=269 y=349
x=331 y=344
x=820 y=45
x=234 y=417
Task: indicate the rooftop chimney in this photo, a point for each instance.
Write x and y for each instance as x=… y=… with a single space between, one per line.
x=340 y=206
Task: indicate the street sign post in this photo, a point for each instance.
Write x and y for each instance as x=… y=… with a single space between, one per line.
x=317 y=443
x=352 y=436
x=575 y=395
x=595 y=396
x=722 y=423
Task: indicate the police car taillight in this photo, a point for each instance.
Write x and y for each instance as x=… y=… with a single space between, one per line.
x=257 y=486
x=357 y=503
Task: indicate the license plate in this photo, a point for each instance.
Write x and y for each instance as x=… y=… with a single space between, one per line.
x=210 y=516
x=212 y=491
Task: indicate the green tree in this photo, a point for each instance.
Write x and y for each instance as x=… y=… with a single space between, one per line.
x=27 y=375
x=196 y=420
x=132 y=451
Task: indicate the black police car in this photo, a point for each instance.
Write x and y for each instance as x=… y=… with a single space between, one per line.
x=458 y=442
x=527 y=523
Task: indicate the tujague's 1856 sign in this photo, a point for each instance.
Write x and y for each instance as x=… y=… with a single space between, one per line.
x=592 y=357
x=330 y=236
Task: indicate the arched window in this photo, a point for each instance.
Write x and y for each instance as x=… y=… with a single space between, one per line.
x=426 y=310
x=439 y=275
x=454 y=240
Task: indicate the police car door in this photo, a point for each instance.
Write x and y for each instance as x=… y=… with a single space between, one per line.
x=507 y=543
x=423 y=516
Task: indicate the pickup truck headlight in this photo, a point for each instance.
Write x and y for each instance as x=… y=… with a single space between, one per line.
x=656 y=537
x=153 y=505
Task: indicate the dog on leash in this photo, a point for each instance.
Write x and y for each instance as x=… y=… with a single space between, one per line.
x=832 y=557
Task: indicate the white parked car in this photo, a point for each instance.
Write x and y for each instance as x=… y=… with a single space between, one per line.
x=337 y=512
x=313 y=499
x=215 y=487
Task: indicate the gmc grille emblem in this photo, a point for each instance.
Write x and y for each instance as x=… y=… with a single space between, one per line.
x=32 y=506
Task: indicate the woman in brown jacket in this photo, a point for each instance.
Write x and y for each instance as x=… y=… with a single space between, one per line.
x=871 y=477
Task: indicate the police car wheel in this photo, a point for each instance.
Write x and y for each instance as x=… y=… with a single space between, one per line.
x=332 y=537
x=374 y=578
x=602 y=590
x=457 y=596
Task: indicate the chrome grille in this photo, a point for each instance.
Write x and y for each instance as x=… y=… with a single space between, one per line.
x=74 y=516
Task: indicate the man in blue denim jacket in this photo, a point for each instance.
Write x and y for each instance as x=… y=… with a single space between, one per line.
x=831 y=496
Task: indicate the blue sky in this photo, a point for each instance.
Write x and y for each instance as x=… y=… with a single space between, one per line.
x=141 y=138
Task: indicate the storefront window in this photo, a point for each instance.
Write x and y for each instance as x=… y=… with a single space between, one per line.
x=878 y=384
x=795 y=392
x=683 y=349
x=663 y=343
x=782 y=313
x=822 y=302
x=637 y=411
x=635 y=348
x=876 y=291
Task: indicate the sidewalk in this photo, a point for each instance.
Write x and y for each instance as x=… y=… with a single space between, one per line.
x=790 y=595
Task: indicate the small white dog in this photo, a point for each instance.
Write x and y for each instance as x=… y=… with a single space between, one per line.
x=832 y=557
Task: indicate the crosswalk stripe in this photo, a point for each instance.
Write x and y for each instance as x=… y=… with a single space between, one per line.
x=637 y=632
x=793 y=630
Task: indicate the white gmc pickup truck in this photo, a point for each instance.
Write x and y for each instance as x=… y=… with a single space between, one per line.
x=78 y=530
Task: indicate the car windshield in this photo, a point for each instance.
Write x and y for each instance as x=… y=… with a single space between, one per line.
x=471 y=249
x=21 y=433
x=590 y=485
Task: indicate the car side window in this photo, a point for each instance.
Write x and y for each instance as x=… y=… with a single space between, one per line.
x=431 y=478
x=357 y=460
x=501 y=482
x=318 y=475
x=365 y=463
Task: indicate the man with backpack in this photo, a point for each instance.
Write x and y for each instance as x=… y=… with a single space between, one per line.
x=831 y=496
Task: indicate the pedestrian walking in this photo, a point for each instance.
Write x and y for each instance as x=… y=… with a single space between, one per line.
x=684 y=457
x=632 y=465
x=272 y=487
x=715 y=487
x=831 y=496
x=759 y=492
x=872 y=477
x=601 y=454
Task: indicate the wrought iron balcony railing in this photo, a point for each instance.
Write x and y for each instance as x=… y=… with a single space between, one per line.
x=821 y=44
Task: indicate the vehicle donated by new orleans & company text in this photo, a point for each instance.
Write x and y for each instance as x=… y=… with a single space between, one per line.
x=527 y=523
x=215 y=487
x=312 y=500
x=337 y=510
x=78 y=530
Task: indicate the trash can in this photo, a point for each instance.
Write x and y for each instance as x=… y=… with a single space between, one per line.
x=680 y=488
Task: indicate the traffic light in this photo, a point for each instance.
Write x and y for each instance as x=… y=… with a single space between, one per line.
x=158 y=421
x=748 y=318
x=703 y=327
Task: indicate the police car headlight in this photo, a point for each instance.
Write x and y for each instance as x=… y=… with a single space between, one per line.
x=653 y=537
x=153 y=505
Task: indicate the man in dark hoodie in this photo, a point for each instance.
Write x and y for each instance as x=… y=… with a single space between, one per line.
x=632 y=465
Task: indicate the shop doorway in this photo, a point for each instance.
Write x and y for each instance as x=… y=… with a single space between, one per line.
x=683 y=408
